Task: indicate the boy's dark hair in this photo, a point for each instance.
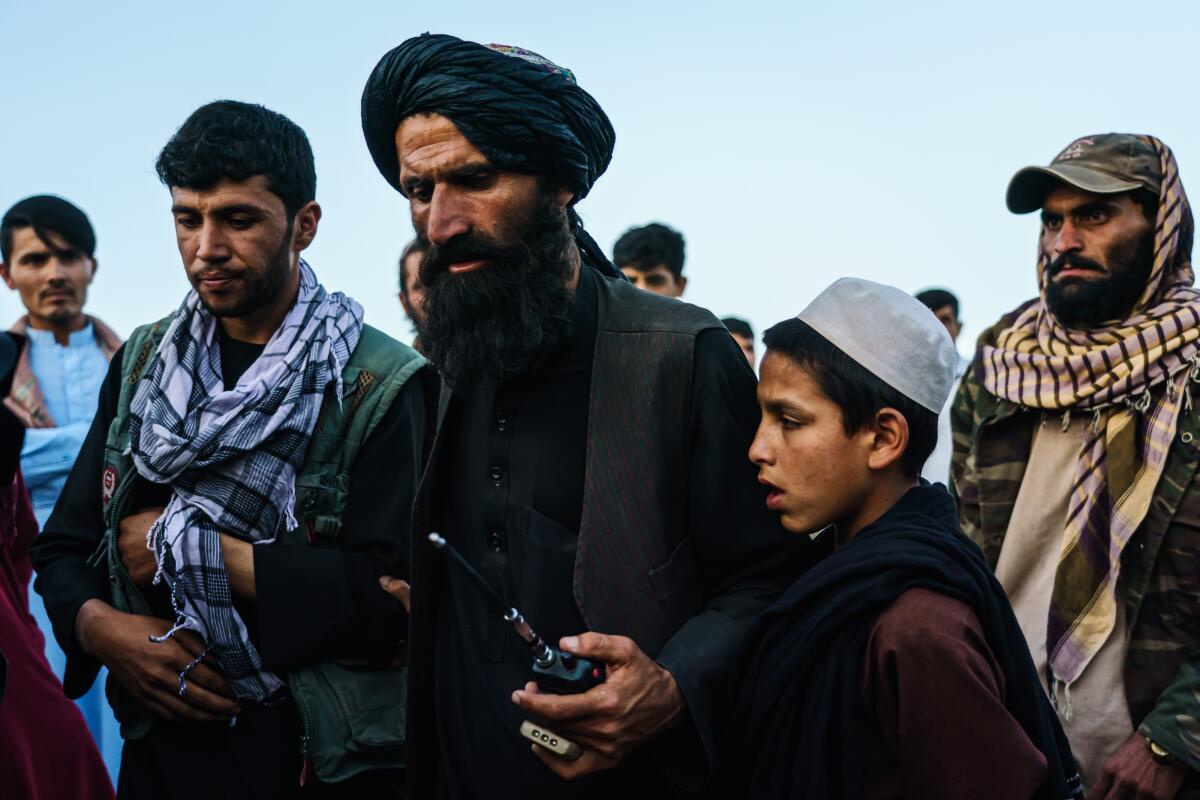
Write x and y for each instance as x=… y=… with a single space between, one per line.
x=415 y=246
x=858 y=393
x=45 y=212
x=230 y=139
x=648 y=246
x=738 y=326
x=938 y=298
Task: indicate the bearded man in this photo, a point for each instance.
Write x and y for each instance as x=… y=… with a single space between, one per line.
x=589 y=458
x=1075 y=462
x=246 y=481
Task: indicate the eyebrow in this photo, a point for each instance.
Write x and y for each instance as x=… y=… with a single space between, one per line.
x=229 y=210
x=469 y=171
x=1083 y=208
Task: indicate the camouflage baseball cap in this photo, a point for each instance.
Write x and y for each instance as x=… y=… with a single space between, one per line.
x=1107 y=163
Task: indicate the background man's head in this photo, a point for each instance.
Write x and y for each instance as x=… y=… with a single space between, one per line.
x=492 y=146
x=743 y=334
x=944 y=306
x=850 y=392
x=412 y=291
x=47 y=254
x=243 y=187
x=652 y=257
x=1098 y=199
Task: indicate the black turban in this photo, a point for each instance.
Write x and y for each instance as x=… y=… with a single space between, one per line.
x=522 y=112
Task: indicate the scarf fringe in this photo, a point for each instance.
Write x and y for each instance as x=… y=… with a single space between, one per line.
x=1065 y=709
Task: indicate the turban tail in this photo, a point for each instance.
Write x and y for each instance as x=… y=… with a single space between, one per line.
x=523 y=112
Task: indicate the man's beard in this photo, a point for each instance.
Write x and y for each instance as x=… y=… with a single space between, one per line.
x=1080 y=303
x=506 y=316
x=259 y=288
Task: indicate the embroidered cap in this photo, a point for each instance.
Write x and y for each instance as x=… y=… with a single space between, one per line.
x=1107 y=163
x=891 y=334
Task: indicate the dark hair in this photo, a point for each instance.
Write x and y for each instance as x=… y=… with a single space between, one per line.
x=738 y=326
x=230 y=139
x=858 y=393
x=648 y=246
x=1148 y=200
x=45 y=212
x=415 y=246
x=938 y=298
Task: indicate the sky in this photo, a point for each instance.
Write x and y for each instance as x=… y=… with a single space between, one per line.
x=790 y=143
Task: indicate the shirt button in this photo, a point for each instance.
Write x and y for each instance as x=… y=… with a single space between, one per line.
x=496 y=541
x=501 y=421
x=496 y=473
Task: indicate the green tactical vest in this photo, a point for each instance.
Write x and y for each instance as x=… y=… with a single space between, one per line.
x=353 y=714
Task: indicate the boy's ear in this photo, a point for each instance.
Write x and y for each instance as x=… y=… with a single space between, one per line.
x=891 y=439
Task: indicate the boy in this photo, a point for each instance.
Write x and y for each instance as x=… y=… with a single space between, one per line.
x=894 y=667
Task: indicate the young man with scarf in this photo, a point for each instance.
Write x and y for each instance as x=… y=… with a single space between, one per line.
x=1075 y=461
x=48 y=256
x=588 y=454
x=894 y=668
x=246 y=482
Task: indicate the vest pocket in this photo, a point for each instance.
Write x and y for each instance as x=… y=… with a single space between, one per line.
x=354 y=719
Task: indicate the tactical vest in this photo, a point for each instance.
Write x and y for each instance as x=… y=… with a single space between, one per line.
x=353 y=715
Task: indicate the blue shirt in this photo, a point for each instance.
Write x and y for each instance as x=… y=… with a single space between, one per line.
x=70 y=378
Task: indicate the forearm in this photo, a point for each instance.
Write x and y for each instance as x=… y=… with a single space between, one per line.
x=239 y=566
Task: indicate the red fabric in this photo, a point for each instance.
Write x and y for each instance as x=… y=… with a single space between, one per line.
x=935 y=726
x=46 y=752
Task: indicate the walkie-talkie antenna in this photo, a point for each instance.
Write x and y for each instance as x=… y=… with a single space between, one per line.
x=441 y=544
x=542 y=653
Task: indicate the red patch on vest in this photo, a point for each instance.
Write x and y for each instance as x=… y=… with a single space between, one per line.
x=108 y=483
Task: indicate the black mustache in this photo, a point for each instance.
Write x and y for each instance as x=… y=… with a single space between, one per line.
x=1072 y=260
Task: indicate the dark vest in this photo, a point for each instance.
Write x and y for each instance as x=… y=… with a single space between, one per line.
x=635 y=572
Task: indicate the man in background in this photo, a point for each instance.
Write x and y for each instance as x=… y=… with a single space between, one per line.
x=652 y=258
x=412 y=291
x=1075 y=461
x=47 y=254
x=944 y=306
x=743 y=334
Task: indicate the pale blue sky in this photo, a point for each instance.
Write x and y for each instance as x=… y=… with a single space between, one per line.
x=791 y=143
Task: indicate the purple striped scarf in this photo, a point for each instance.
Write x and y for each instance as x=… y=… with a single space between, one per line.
x=1109 y=373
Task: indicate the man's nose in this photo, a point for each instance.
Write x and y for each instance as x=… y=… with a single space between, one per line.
x=1067 y=239
x=211 y=245
x=58 y=271
x=447 y=217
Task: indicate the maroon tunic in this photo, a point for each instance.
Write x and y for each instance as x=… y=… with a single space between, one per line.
x=934 y=720
x=46 y=752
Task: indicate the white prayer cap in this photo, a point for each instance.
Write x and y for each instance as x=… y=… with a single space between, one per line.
x=891 y=334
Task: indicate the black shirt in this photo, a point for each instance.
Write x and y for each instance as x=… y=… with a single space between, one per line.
x=313 y=602
x=510 y=494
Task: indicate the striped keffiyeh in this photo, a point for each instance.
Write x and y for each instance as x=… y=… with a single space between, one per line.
x=230 y=456
x=1108 y=372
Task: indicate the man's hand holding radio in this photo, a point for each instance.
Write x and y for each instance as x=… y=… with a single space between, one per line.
x=637 y=700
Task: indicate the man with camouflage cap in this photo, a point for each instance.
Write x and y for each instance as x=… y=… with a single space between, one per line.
x=1075 y=461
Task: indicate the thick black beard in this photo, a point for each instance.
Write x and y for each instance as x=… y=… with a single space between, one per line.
x=502 y=319
x=1089 y=303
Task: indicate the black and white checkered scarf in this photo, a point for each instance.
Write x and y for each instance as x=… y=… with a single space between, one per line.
x=231 y=457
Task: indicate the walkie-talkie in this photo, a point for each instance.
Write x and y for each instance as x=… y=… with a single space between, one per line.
x=556 y=671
